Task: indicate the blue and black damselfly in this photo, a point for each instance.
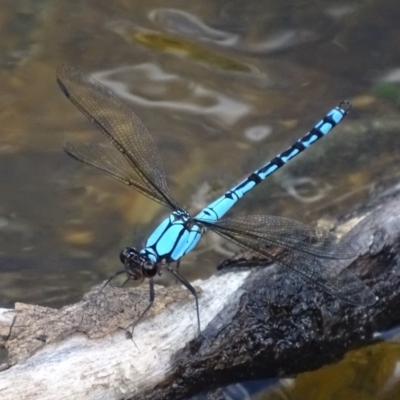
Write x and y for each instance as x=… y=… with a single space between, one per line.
x=134 y=160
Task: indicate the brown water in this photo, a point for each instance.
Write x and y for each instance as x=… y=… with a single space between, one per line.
x=222 y=86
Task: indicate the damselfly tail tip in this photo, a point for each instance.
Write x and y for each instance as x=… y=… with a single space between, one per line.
x=345 y=105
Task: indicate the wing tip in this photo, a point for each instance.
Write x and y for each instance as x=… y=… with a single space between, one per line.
x=62 y=73
x=68 y=149
x=358 y=295
x=366 y=298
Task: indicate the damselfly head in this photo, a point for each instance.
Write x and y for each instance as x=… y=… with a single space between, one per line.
x=137 y=265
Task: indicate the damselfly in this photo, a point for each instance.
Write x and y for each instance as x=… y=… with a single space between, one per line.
x=133 y=159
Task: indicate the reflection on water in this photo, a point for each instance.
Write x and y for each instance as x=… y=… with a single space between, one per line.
x=306 y=189
x=221 y=87
x=190 y=97
x=187 y=25
x=190 y=26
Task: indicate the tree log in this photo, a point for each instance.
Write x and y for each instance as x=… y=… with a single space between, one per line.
x=257 y=322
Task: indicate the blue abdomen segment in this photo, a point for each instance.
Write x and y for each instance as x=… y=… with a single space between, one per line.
x=172 y=239
x=221 y=206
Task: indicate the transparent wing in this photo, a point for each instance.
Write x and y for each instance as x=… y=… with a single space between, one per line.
x=109 y=160
x=287 y=233
x=142 y=167
x=308 y=251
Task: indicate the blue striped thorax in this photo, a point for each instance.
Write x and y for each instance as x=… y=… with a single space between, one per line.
x=173 y=238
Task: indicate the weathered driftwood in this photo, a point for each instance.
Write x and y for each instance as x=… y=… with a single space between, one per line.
x=258 y=322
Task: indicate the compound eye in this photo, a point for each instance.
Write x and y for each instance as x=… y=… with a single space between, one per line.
x=126 y=254
x=149 y=269
x=123 y=255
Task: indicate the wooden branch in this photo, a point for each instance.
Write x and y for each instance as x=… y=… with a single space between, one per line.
x=258 y=322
